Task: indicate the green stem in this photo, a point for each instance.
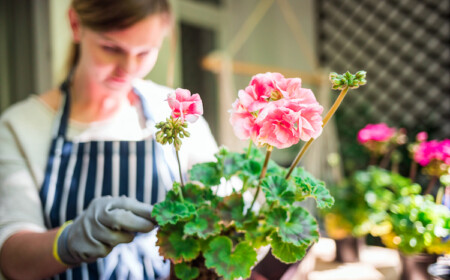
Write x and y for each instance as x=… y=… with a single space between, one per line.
x=325 y=121
x=179 y=168
x=262 y=175
x=249 y=148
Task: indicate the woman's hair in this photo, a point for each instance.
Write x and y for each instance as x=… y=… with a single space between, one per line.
x=111 y=15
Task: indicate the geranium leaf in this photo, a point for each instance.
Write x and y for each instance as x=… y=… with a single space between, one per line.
x=197 y=194
x=297 y=226
x=257 y=232
x=230 y=162
x=228 y=262
x=175 y=246
x=185 y=271
x=207 y=173
x=231 y=208
x=251 y=168
x=170 y=212
x=278 y=189
x=205 y=224
x=286 y=252
x=308 y=186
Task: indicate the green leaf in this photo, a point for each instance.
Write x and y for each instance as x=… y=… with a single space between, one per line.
x=230 y=162
x=286 y=252
x=257 y=232
x=176 y=188
x=252 y=168
x=228 y=262
x=197 y=194
x=231 y=209
x=170 y=212
x=186 y=272
x=205 y=224
x=278 y=189
x=207 y=173
x=295 y=226
x=175 y=246
x=309 y=186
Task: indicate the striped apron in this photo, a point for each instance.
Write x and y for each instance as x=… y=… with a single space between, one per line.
x=78 y=172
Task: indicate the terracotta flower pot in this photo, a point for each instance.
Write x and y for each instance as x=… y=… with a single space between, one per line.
x=347 y=249
x=414 y=267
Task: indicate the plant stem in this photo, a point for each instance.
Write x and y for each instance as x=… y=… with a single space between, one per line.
x=431 y=185
x=249 y=148
x=262 y=175
x=386 y=158
x=325 y=121
x=179 y=168
x=413 y=171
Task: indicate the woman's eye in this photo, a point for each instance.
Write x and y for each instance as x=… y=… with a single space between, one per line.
x=111 y=49
x=142 y=54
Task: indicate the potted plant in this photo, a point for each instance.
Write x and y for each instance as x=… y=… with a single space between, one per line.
x=351 y=219
x=207 y=227
x=406 y=220
x=419 y=229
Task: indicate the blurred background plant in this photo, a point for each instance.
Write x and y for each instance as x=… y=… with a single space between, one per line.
x=404 y=213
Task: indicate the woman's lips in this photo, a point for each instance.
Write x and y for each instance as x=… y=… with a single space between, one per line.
x=119 y=80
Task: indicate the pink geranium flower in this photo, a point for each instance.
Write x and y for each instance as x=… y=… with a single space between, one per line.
x=376 y=132
x=283 y=123
x=185 y=106
x=261 y=88
x=243 y=121
x=276 y=111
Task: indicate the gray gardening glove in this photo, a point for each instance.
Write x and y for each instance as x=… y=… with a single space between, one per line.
x=106 y=222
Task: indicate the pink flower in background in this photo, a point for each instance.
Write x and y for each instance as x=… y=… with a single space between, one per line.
x=376 y=132
x=422 y=136
x=276 y=111
x=185 y=106
x=428 y=151
x=445 y=148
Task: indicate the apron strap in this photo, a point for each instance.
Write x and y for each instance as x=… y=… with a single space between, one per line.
x=64 y=117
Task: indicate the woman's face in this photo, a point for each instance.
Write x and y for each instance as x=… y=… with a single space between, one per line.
x=113 y=59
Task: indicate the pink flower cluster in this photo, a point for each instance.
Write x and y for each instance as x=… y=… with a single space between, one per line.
x=433 y=150
x=376 y=132
x=184 y=106
x=276 y=111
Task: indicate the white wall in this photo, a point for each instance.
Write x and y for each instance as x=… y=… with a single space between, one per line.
x=60 y=38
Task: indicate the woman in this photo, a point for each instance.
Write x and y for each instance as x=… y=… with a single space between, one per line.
x=79 y=168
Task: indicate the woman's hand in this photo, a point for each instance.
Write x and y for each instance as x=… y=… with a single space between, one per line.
x=107 y=222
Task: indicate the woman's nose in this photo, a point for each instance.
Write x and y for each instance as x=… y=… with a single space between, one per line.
x=129 y=63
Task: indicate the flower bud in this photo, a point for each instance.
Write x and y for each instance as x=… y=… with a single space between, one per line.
x=360 y=75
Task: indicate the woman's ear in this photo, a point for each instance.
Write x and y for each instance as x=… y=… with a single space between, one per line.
x=74 y=25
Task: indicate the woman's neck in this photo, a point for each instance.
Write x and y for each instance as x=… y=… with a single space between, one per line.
x=90 y=102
